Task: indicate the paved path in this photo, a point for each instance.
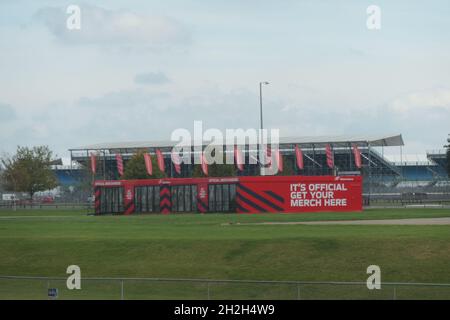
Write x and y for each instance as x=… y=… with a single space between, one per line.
x=418 y=221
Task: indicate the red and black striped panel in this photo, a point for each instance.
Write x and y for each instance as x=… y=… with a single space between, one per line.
x=202 y=205
x=129 y=207
x=165 y=204
x=251 y=201
x=202 y=198
x=97 y=193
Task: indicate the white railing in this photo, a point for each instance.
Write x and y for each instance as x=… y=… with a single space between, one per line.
x=35 y=287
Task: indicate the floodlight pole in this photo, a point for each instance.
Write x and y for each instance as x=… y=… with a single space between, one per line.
x=260 y=107
x=261 y=120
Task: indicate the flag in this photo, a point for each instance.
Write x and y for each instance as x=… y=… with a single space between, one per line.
x=119 y=161
x=176 y=160
x=238 y=158
x=330 y=159
x=299 y=157
x=160 y=158
x=279 y=160
x=204 y=164
x=357 y=155
x=93 y=163
x=148 y=163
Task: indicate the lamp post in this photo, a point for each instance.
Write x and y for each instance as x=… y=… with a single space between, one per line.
x=260 y=103
x=261 y=125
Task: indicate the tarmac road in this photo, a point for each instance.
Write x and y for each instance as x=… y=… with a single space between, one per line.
x=418 y=221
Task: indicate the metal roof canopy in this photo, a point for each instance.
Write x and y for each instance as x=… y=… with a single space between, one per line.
x=317 y=141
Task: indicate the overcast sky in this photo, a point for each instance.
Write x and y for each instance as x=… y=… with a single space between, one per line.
x=137 y=70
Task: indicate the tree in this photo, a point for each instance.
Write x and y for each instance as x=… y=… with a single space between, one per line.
x=135 y=168
x=83 y=186
x=197 y=171
x=288 y=167
x=29 y=170
x=216 y=169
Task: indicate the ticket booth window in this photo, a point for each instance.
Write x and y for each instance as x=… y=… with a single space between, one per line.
x=184 y=198
x=222 y=197
x=111 y=200
x=146 y=199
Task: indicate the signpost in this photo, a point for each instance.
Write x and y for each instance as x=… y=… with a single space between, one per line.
x=52 y=293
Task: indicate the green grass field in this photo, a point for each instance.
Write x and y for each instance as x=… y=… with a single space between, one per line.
x=216 y=246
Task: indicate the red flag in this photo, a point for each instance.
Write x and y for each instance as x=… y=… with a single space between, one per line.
x=204 y=164
x=299 y=157
x=279 y=161
x=330 y=159
x=238 y=158
x=148 y=163
x=176 y=161
x=357 y=155
x=93 y=163
x=119 y=161
x=160 y=158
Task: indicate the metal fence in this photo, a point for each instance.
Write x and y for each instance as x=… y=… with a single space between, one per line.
x=20 y=287
x=9 y=205
x=376 y=200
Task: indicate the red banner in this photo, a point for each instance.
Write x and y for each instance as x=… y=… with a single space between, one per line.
x=93 y=163
x=160 y=159
x=357 y=155
x=268 y=157
x=299 y=157
x=176 y=160
x=238 y=159
x=279 y=161
x=204 y=164
x=148 y=163
x=299 y=194
x=119 y=161
x=330 y=158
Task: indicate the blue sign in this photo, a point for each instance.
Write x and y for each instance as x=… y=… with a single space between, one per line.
x=53 y=293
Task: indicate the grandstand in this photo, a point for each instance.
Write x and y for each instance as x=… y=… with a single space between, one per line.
x=68 y=175
x=421 y=169
x=421 y=178
x=439 y=158
x=374 y=164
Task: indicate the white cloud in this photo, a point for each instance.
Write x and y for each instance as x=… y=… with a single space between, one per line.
x=144 y=114
x=7 y=113
x=106 y=27
x=425 y=100
x=151 y=78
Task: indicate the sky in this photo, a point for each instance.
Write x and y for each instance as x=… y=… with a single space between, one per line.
x=138 y=70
